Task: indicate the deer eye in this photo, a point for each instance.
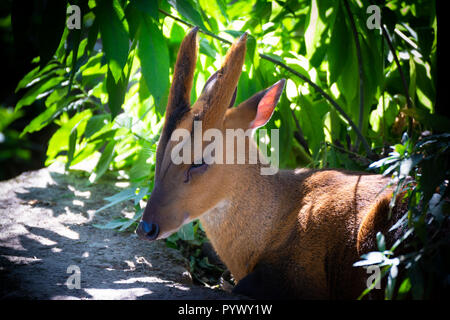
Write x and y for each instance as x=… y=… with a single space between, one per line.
x=195 y=168
x=198 y=165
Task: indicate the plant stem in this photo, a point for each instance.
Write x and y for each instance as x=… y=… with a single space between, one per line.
x=360 y=67
x=400 y=71
x=306 y=79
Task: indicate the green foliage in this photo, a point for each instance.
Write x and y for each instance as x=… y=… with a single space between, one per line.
x=425 y=257
x=190 y=239
x=106 y=86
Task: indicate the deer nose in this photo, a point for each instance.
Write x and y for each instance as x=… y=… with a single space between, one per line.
x=147 y=231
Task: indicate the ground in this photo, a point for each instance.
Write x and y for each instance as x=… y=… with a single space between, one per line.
x=46 y=233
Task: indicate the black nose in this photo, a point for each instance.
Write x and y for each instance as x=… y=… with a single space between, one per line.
x=147 y=231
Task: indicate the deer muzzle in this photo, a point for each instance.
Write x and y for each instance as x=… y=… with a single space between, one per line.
x=147 y=231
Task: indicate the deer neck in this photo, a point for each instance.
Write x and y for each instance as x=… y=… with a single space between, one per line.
x=240 y=225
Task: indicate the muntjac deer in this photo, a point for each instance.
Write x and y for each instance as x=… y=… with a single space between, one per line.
x=293 y=234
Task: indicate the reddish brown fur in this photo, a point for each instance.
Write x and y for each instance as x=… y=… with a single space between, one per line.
x=294 y=234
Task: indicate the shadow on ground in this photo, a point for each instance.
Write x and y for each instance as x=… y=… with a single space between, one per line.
x=46 y=236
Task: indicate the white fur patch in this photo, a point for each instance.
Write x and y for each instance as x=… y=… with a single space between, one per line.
x=216 y=214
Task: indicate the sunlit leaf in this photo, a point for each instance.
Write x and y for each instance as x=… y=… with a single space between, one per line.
x=114 y=33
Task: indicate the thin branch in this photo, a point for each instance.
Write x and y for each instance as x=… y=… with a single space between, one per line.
x=299 y=134
x=285 y=6
x=306 y=79
x=360 y=67
x=326 y=96
x=399 y=67
x=354 y=154
x=400 y=71
x=192 y=26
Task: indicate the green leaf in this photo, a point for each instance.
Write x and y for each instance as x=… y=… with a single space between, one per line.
x=114 y=224
x=404 y=288
x=114 y=32
x=40 y=88
x=104 y=161
x=141 y=168
x=51 y=29
x=116 y=93
x=92 y=37
x=41 y=120
x=123 y=195
x=95 y=124
x=188 y=10
x=316 y=27
x=149 y=8
x=392 y=277
x=72 y=144
x=186 y=232
x=337 y=53
x=381 y=242
x=59 y=140
x=154 y=56
x=36 y=75
x=46 y=117
x=207 y=49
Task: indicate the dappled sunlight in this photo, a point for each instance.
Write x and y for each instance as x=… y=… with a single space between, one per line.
x=117 y=294
x=45 y=231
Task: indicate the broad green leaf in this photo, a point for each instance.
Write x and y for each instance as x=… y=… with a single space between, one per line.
x=149 y=8
x=187 y=9
x=316 y=26
x=114 y=32
x=337 y=53
x=154 y=56
x=116 y=93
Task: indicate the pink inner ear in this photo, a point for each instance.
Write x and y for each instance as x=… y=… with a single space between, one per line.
x=267 y=104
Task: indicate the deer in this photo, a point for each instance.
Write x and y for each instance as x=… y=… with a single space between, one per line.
x=294 y=234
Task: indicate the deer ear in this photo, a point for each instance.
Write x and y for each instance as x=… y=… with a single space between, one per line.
x=267 y=104
x=209 y=84
x=257 y=110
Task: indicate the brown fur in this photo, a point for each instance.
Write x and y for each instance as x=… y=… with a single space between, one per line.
x=295 y=234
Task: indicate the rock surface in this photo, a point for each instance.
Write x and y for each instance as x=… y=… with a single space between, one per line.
x=46 y=237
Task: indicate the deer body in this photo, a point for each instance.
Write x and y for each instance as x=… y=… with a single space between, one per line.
x=301 y=226
x=293 y=234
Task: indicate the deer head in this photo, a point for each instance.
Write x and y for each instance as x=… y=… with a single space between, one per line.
x=184 y=191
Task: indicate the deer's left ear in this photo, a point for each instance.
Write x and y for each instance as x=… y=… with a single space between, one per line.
x=255 y=111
